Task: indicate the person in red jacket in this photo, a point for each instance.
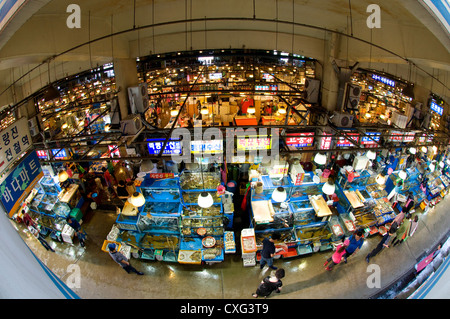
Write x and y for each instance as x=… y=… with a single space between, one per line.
x=338 y=255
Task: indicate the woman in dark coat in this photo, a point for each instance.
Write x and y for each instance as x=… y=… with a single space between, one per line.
x=270 y=284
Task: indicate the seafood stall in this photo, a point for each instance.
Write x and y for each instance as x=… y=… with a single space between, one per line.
x=50 y=205
x=203 y=236
x=304 y=209
x=154 y=228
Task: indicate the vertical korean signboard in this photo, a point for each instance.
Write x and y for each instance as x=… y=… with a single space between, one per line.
x=19 y=182
x=14 y=141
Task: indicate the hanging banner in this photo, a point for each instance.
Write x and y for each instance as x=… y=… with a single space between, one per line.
x=344 y=142
x=325 y=141
x=172 y=147
x=300 y=139
x=254 y=143
x=370 y=139
x=207 y=147
x=14 y=141
x=19 y=183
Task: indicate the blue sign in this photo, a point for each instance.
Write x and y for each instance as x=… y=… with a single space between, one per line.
x=436 y=108
x=370 y=138
x=384 y=80
x=59 y=154
x=172 y=147
x=20 y=182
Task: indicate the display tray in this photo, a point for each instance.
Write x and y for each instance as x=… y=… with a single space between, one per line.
x=190 y=256
x=353 y=199
x=320 y=206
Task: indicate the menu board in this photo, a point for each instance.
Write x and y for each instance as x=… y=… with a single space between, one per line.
x=300 y=139
x=172 y=147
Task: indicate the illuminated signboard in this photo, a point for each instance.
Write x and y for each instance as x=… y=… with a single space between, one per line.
x=172 y=147
x=114 y=150
x=254 y=143
x=215 y=76
x=42 y=154
x=397 y=136
x=325 y=142
x=59 y=154
x=436 y=108
x=344 y=142
x=300 y=139
x=207 y=147
x=370 y=138
x=384 y=80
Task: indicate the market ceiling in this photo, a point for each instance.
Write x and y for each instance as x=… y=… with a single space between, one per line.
x=39 y=32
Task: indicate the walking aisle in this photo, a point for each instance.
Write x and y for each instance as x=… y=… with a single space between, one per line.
x=305 y=276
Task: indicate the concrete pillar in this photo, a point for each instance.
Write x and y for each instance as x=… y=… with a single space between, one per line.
x=329 y=77
x=125 y=71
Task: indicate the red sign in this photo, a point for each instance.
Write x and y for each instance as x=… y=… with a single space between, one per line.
x=300 y=139
x=325 y=141
x=161 y=175
x=346 y=142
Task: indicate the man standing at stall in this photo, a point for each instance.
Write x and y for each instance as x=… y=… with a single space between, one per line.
x=268 y=251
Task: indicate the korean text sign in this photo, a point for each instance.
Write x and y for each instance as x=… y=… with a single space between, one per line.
x=20 y=182
x=14 y=140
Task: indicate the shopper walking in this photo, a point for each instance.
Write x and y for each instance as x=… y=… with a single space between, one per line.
x=401 y=233
x=268 y=251
x=356 y=242
x=121 y=260
x=270 y=284
x=36 y=232
x=338 y=255
x=414 y=224
x=384 y=243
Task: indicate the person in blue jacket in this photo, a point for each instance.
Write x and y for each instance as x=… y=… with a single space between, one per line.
x=356 y=242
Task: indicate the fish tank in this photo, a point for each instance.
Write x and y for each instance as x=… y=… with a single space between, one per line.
x=286 y=235
x=154 y=223
x=200 y=181
x=192 y=197
x=173 y=208
x=305 y=217
x=61 y=209
x=197 y=211
x=49 y=186
x=312 y=233
x=159 y=241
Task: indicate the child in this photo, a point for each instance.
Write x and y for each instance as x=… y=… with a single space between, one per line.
x=338 y=255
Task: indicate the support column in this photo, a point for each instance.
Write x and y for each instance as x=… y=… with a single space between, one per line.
x=125 y=71
x=330 y=81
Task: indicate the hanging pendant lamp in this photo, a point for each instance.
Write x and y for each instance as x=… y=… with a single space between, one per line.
x=279 y=195
x=205 y=199
x=137 y=199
